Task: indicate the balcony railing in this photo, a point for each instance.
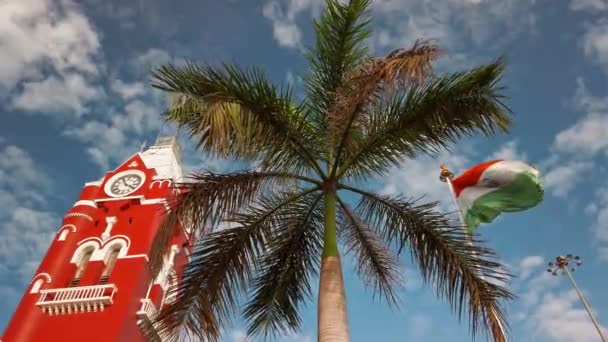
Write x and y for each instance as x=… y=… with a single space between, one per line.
x=147 y=310
x=146 y=314
x=76 y=299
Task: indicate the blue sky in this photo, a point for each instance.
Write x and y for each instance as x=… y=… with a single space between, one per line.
x=74 y=102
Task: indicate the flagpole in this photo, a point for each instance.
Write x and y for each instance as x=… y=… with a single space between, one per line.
x=563 y=263
x=446 y=176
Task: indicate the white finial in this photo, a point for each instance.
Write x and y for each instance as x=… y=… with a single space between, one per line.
x=143 y=145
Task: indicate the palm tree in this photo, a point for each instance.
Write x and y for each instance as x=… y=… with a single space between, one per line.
x=288 y=213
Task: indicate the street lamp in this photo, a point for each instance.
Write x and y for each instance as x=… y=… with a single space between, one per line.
x=564 y=265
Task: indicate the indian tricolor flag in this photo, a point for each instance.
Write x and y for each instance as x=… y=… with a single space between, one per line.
x=494 y=187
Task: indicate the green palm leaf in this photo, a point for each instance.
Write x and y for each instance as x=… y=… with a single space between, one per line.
x=466 y=274
x=377 y=265
x=282 y=281
x=362 y=115
x=216 y=104
x=209 y=198
x=428 y=118
x=221 y=266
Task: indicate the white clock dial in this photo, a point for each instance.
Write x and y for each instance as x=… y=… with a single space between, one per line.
x=124 y=183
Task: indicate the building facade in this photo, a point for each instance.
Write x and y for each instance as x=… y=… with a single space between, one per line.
x=94 y=283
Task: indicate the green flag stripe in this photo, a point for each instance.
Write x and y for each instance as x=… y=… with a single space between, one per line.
x=523 y=193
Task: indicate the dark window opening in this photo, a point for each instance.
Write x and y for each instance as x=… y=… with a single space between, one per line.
x=107 y=271
x=82 y=266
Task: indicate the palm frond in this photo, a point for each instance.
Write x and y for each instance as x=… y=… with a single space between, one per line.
x=219 y=104
x=220 y=268
x=377 y=265
x=429 y=117
x=208 y=198
x=282 y=282
x=339 y=49
x=466 y=274
x=370 y=80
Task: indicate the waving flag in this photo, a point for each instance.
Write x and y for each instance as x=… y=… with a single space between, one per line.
x=491 y=188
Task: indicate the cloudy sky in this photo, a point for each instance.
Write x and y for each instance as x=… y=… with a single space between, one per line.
x=75 y=101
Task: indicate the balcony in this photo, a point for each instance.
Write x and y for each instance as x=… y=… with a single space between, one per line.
x=146 y=314
x=76 y=299
x=147 y=310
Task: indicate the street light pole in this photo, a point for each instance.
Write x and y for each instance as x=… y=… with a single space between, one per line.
x=562 y=263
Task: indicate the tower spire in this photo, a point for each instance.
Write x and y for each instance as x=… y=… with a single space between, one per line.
x=143 y=145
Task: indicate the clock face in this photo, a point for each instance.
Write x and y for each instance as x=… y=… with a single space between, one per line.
x=124 y=184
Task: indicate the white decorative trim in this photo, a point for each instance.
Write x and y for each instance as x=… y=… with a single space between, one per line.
x=97 y=182
x=153 y=201
x=36 y=286
x=107 y=249
x=93 y=238
x=174 y=250
x=76 y=299
x=107 y=188
x=37 y=281
x=44 y=275
x=110 y=222
x=147 y=310
x=101 y=248
x=107 y=199
x=86 y=202
x=129 y=159
x=63 y=235
x=85 y=216
x=170 y=282
x=160 y=183
x=73 y=227
x=134 y=256
x=156 y=201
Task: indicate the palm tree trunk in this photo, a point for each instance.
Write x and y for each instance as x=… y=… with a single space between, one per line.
x=332 y=318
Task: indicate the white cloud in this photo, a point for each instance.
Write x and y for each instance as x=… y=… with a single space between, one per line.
x=588 y=135
x=238 y=336
x=25 y=226
x=453 y=23
x=591 y=5
x=528 y=265
x=295 y=337
x=55 y=94
x=509 y=151
x=583 y=142
x=18 y=169
x=584 y=100
x=127 y=90
x=600 y=222
x=152 y=58
x=55 y=38
x=562 y=179
x=284 y=27
x=420 y=176
x=561 y=317
x=111 y=141
x=419 y=327
x=547 y=313
x=595 y=43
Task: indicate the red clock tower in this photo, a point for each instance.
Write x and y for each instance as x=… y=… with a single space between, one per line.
x=94 y=283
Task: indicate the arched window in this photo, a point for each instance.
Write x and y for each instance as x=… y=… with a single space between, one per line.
x=110 y=263
x=36 y=286
x=82 y=265
x=63 y=234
